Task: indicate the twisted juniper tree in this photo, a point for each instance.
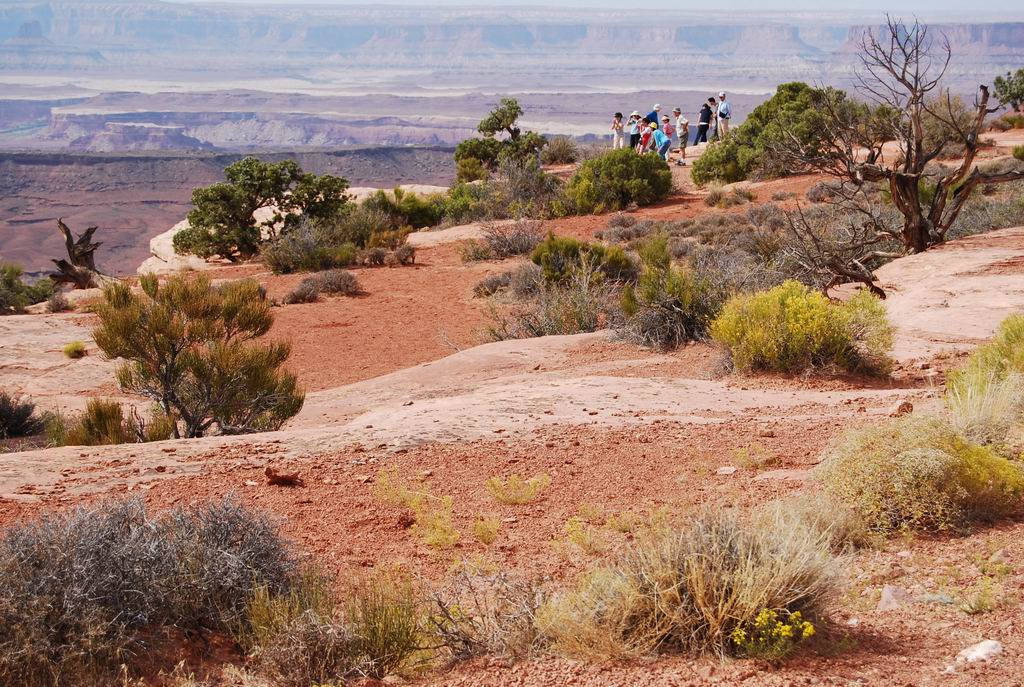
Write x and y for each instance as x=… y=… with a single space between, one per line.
x=891 y=143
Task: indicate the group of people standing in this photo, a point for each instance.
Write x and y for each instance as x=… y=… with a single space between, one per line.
x=657 y=133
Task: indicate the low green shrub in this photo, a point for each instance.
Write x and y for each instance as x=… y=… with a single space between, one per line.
x=16 y=294
x=88 y=591
x=18 y=417
x=705 y=588
x=470 y=169
x=669 y=305
x=616 y=180
x=1018 y=152
x=917 y=473
x=561 y=256
x=791 y=328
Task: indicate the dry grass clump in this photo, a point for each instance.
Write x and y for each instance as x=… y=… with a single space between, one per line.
x=485 y=529
x=508 y=240
x=700 y=589
x=580 y=303
x=792 y=328
x=560 y=150
x=18 y=417
x=720 y=198
x=504 y=240
x=84 y=592
x=75 y=350
x=304 y=637
x=985 y=396
x=104 y=423
x=432 y=514
x=478 y=613
x=917 y=473
x=517 y=490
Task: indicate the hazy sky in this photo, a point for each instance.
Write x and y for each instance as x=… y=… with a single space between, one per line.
x=924 y=7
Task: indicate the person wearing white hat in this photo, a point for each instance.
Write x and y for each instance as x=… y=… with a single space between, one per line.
x=724 y=115
x=655 y=115
x=634 y=129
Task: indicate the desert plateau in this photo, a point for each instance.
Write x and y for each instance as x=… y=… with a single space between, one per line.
x=438 y=374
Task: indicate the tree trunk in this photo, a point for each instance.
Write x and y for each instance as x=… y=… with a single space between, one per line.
x=79 y=269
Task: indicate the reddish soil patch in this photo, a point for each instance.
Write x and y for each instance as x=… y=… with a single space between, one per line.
x=407 y=315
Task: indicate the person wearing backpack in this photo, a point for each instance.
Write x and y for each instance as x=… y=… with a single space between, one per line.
x=704 y=121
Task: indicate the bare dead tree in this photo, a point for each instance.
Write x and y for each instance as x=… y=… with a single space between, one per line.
x=79 y=269
x=891 y=143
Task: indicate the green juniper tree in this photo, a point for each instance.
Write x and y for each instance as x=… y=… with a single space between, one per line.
x=192 y=347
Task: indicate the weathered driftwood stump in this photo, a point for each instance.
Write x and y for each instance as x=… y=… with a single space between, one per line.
x=79 y=269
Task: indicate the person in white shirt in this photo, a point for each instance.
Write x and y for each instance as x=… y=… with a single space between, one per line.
x=618 y=133
x=683 y=132
x=724 y=115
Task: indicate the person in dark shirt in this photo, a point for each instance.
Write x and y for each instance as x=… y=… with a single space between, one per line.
x=655 y=115
x=704 y=118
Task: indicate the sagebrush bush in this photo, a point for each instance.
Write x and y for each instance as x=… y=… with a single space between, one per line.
x=58 y=302
x=669 y=305
x=475 y=251
x=477 y=614
x=561 y=256
x=309 y=247
x=338 y=283
x=526 y=280
x=508 y=240
x=306 y=291
x=83 y=592
x=491 y=284
x=560 y=150
x=791 y=328
x=18 y=417
x=917 y=473
x=720 y=198
x=821 y=192
x=695 y=590
x=1018 y=152
x=616 y=180
x=582 y=303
